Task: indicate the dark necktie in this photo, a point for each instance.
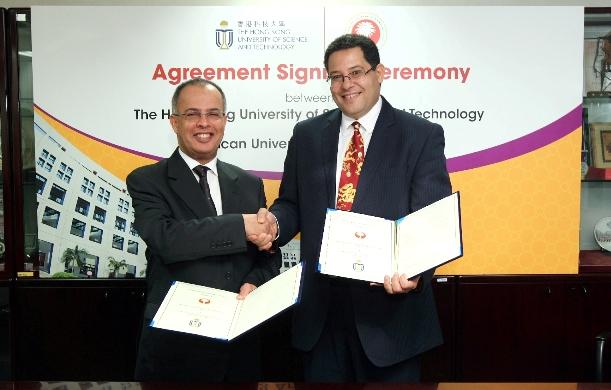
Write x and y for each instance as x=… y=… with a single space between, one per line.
x=202 y=172
x=351 y=170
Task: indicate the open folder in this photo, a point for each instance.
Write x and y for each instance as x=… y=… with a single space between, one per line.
x=215 y=313
x=363 y=247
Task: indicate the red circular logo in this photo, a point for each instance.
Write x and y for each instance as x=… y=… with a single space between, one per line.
x=368 y=28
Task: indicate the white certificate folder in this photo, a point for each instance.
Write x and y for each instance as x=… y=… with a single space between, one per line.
x=215 y=313
x=363 y=247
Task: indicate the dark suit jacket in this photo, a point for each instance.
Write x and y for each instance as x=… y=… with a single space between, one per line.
x=184 y=242
x=404 y=170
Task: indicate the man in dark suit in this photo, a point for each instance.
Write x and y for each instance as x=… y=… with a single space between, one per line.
x=352 y=331
x=195 y=213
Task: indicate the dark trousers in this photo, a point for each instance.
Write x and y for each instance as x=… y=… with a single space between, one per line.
x=165 y=355
x=338 y=356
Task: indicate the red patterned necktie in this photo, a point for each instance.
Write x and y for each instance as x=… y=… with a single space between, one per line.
x=351 y=170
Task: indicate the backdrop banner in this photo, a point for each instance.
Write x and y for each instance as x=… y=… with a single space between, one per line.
x=504 y=82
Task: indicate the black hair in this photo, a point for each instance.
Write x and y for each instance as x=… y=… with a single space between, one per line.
x=349 y=41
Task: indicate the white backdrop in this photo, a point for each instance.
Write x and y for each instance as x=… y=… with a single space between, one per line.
x=94 y=66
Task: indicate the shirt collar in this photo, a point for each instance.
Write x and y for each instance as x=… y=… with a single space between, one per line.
x=192 y=163
x=368 y=121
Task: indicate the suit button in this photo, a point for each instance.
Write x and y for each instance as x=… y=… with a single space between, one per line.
x=227 y=275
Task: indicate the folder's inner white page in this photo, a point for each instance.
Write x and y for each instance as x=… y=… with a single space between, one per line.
x=268 y=300
x=429 y=237
x=356 y=246
x=197 y=309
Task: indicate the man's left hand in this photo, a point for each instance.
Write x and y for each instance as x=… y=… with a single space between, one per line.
x=246 y=289
x=400 y=284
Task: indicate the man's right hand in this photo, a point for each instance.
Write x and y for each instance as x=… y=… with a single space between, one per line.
x=261 y=228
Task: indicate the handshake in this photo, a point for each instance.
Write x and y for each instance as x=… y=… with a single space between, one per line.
x=261 y=228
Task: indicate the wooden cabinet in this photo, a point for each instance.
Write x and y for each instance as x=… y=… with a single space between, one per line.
x=77 y=329
x=588 y=302
x=533 y=328
x=5 y=331
x=496 y=328
x=438 y=364
x=507 y=329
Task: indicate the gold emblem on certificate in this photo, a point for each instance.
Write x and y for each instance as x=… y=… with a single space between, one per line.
x=360 y=235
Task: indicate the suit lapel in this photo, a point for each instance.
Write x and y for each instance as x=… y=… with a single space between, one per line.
x=329 y=140
x=377 y=151
x=229 y=189
x=183 y=182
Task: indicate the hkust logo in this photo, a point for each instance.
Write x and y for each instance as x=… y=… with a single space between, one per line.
x=224 y=36
x=368 y=26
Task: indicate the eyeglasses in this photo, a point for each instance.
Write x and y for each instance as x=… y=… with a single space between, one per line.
x=194 y=116
x=354 y=76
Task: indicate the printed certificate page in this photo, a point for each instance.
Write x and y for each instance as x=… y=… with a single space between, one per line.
x=200 y=310
x=215 y=313
x=268 y=300
x=356 y=246
x=429 y=237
